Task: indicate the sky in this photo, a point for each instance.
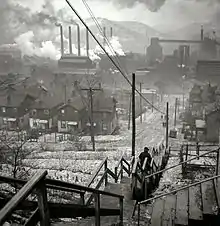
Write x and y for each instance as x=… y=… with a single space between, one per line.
x=170 y=14
x=31 y=23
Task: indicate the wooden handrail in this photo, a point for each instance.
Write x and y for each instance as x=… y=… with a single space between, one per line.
x=119 y=162
x=166 y=169
x=21 y=195
x=97 y=172
x=179 y=189
x=50 y=183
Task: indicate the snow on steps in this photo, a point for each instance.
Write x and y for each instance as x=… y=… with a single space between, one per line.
x=194 y=206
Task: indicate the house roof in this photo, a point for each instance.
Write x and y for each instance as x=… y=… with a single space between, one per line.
x=46 y=102
x=75 y=102
x=16 y=99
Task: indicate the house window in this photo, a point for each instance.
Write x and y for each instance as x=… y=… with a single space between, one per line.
x=46 y=112
x=62 y=111
x=63 y=124
x=4 y=121
x=3 y=109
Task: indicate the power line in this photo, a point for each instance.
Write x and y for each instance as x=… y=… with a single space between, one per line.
x=119 y=69
x=114 y=54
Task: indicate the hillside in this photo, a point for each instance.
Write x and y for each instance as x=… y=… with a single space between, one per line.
x=133 y=36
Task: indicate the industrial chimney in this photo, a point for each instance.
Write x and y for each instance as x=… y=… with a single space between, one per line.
x=78 y=39
x=202 y=33
x=61 y=40
x=70 y=40
x=111 y=32
x=87 y=42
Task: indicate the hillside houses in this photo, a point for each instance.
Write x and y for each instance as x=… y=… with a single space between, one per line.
x=37 y=108
x=204 y=104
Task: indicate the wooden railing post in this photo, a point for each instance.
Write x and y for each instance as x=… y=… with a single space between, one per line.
x=97 y=209
x=106 y=173
x=121 y=211
x=116 y=174
x=82 y=198
x=121 y=169
x=43 y=205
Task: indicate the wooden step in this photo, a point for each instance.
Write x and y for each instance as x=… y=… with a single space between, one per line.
x=195 y=205
x=181 y=217
x=169 y=210
x=208 y=199
x=157 y=214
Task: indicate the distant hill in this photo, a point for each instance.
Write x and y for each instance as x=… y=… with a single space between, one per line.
x=133 y=36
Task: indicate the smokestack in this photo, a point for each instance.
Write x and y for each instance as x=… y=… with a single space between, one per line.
x=61 y=40
x=87 y=42
x=202 y=33
x=70 y=40
x=78 y=39
x=104 y=35
x=111 y=32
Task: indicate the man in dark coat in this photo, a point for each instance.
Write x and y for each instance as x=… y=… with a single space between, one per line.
x=143 y=155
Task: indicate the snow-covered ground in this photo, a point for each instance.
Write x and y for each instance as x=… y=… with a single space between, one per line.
x=66 y=161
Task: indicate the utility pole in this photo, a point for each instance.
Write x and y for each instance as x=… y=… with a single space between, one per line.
x=167 y=126
x=65 y=94
x=175 y=113
x=141 y=102
x=91 y=119
x=129 y=113
x=90 y=97
x=133 y=114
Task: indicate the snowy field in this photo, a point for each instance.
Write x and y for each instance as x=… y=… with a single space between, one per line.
x=75 y=162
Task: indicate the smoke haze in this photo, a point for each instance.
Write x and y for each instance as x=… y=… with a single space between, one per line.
x=32 y=23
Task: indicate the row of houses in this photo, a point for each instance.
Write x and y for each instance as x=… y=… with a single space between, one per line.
x=204 y=111
x=35 y=108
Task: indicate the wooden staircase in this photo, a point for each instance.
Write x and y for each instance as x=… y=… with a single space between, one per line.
x=191 y=205
x=108 y=207
x=194 y=206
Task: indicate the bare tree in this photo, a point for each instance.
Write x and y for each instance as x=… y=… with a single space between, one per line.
x=12 y=151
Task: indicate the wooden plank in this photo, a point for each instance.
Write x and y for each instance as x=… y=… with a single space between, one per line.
x=182 y=208
x=157 y=214
x=169 y=210
x=195 y=203
x=208 y=198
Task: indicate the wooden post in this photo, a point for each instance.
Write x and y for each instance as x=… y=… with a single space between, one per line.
x=133 y=114
x=116 y=174
x=91 y=120
x=42 y=204
x=129 y=114
x=82 y=199
x=121 y=211
x=167 y=126
x=106 y=173
x=121 y=169
x=140 y=102
x=97 y=209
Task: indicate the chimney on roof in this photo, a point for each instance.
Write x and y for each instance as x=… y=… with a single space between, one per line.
x=61 y=40
x=70 y=40
x=202 y=33
x=78 y=39
x=87 y=42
